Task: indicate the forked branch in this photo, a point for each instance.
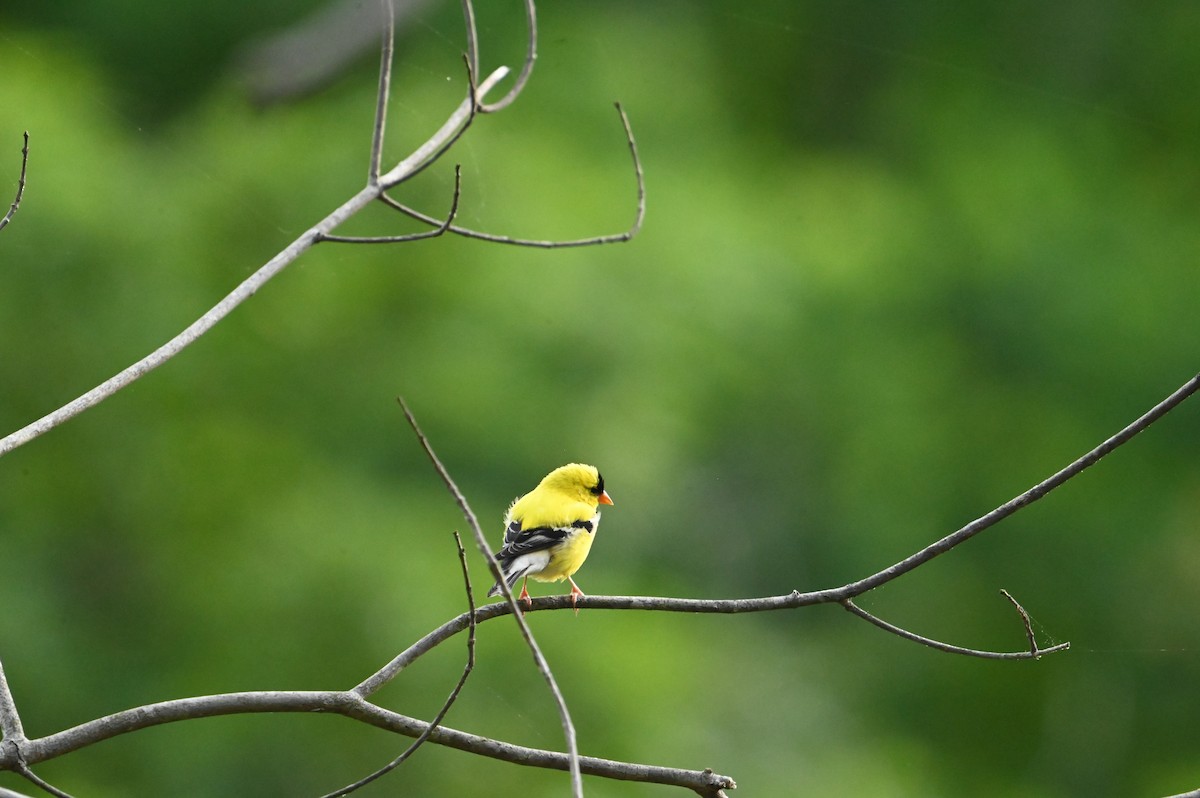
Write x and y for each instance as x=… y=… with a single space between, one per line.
x=377 y=183
x=843 y=595
x=630 y=232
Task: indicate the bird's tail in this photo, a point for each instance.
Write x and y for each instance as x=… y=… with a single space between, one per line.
x=509 y=576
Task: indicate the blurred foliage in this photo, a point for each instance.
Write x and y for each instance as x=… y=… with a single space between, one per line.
x=900 y=264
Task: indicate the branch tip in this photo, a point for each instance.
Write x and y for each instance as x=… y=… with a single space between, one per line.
x=16 y=203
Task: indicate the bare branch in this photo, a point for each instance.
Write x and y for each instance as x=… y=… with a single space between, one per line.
x=433 y=725
x=1033 y=653
x=472 y=54
x=381 y=97
x=1033 y=646
x=442 y=228
x=418 y=160
x=797 y=599
x=16 y=203
x=249 y=286
x=449 y=132
x=542 y=665
x=351 y=705
x=695 y=780
x=633 y=230
x=468 y=12
x=526 y=67
x=35 y=779
x=459 y=499
x=193 y=331
x=452 y=137
x=1028 y=497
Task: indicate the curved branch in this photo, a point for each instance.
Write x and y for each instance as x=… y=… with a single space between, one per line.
x=1034 y=651
x=394 y=178
x=1029 y=635
x=526 y=66
x=36 y=780
x=350 y=705
x=639 y=216
x=16 y=203
x=442 y=228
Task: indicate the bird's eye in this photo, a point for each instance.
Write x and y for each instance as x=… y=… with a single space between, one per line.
x=596 y=491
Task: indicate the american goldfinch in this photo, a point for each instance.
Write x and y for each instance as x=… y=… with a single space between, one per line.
x=548 y=532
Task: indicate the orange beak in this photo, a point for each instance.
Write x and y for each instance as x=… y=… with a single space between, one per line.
x=604 y=498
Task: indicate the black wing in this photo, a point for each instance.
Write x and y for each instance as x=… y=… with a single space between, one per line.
x=518 y=541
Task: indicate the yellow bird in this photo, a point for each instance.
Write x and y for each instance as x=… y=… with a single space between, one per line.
x=548 y=532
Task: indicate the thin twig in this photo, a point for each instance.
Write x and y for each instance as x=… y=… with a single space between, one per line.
x=437 y=720
x=381 y=97
x=526 y=67
x=538 y=658
x=391 y=181
x=472 y=35
x=35 y=779
x=16 y=203
x=442 y=228
x=459 y=499
x=1033 y=653
x=1033 y=646
x=628 y=234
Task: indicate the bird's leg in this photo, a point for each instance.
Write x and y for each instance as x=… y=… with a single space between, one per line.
x=525 y=594
x=575 y=594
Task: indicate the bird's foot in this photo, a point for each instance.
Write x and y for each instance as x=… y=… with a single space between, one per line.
x=575 y=594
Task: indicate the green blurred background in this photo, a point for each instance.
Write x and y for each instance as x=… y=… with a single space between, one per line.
x=900 y=263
